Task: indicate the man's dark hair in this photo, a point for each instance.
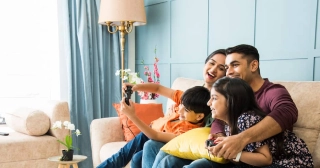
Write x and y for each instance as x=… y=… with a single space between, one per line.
x=196 y=99
x=220 y=51
x=249 y=52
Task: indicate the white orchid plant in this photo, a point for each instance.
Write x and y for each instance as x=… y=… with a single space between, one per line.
x=67 y=125
x=130 y=77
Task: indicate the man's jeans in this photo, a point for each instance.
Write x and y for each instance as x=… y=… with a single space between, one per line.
x=125 y=154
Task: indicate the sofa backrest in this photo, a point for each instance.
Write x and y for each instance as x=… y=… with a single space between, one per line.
x=305 y=94
x=183 y=84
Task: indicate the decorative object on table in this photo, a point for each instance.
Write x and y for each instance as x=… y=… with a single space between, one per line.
x=152 y=77
x=122 y=15
x=67 y=154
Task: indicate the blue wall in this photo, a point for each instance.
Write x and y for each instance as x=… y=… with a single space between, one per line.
x=285 y=32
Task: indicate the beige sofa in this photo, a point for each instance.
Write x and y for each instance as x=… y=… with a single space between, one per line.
x=107 y=137
x=19 y=149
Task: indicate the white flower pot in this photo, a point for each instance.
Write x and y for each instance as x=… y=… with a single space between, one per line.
x=148 y=101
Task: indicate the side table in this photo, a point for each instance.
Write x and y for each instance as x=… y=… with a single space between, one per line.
x=67 y=164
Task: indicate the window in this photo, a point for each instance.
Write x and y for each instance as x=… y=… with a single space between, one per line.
x=29 y=55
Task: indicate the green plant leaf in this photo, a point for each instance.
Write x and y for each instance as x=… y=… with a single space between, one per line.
x=62 y=143
x=69 y=142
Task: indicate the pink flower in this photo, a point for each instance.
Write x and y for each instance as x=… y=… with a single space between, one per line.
x=157 y=74
x=151 y=78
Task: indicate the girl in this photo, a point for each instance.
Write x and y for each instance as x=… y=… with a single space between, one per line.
x=233 y=101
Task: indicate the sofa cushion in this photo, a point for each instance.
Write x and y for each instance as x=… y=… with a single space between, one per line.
x=28 y=121
x=191 y=145
x=146 y=112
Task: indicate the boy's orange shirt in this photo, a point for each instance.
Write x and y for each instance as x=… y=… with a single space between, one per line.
x=171 y=123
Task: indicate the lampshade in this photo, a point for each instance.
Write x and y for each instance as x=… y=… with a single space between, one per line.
x=122 y=10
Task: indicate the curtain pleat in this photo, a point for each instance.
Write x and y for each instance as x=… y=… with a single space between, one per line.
x=93 y=60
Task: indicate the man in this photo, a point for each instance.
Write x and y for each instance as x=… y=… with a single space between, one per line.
x=242 y=61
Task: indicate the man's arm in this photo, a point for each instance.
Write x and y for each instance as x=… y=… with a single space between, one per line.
x=282 y=116
x=230 y=146
x=282 y=108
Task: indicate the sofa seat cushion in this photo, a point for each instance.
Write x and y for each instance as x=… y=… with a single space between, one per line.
x=18 y=147
x=108 y=149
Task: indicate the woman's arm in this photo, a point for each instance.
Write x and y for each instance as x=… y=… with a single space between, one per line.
x=129 y=111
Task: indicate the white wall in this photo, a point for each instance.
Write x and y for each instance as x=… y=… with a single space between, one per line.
x=29 y=53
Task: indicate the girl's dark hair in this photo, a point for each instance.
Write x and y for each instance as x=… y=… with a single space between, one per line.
x=220 y=51
x=196 y=99
x=240 y=98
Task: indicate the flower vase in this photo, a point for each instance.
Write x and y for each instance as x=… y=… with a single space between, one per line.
x=152 y=101
x=67 y=155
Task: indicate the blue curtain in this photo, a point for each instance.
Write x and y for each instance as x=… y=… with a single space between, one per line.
x=94 y=58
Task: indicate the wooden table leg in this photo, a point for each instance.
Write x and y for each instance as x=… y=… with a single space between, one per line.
x=75 y=165
x=60 y=166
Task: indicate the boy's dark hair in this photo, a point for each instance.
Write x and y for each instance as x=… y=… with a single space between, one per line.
x=220 y=51
x=247 y=51
x=196 y=99
x=240 y=98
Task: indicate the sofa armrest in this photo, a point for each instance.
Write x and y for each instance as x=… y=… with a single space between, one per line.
x=57 y=111
x=102 y=131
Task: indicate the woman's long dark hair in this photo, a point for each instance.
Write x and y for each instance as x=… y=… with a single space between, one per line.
x=240 y=99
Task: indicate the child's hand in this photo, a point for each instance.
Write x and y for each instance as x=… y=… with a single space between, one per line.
x=127 y=110
x=216 y=137
x=124 y=86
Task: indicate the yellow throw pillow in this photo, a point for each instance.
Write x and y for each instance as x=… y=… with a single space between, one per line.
x=190 y=145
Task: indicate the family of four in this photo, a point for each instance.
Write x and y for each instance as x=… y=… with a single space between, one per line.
x=251 y=119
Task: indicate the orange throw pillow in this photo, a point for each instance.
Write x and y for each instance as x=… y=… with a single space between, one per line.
x=145 y=112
